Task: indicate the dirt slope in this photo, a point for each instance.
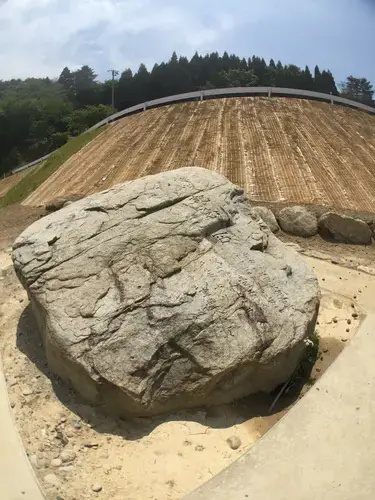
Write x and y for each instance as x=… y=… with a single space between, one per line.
x=7 y=183
x=278 y=149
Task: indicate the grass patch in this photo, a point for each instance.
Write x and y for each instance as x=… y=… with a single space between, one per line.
x=31 y=181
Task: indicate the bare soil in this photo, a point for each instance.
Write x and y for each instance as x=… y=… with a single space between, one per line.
x=277 y=149
x=15 y=219
x=10 y=181
x=154 y=458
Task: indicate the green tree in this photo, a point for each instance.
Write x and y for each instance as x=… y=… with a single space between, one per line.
x=235 y=78
x=82 y=119
x=358 y=89
x=307 y=80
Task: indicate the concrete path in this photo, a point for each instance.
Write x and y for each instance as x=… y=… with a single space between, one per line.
x=17 y=480
x=324 y=447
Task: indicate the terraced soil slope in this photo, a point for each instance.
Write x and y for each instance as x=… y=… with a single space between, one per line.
x=277 y=149
x=7 y=183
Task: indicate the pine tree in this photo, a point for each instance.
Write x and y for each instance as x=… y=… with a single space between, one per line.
x=358 y=89
x=317 y=79
x=307 y=80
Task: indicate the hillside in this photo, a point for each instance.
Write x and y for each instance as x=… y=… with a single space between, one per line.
x=277 y=149
x=8 y=182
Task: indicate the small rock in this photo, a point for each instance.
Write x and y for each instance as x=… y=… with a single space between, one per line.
x=96 y=487
x=234 y=442
x=344 y=340
x=349 y=321
x=318 y=370
x=67 y=468
x=44 y=462
x=355 y=315
x=91 y=445
x=68 y=456
x=347 y=330
x=334 y=320
x=56 y=462
x=352 y=305
x=20 y=301
x=12 y=404
x=77 y=426
x=354 y=296
x=325 y=351
x=69 y=433
x=52 y=480
x=63 y=420
x=27 y=391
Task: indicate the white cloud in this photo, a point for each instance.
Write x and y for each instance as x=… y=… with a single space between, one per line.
x=40 y=37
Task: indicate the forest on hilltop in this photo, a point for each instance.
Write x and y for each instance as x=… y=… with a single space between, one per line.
x=38 y=115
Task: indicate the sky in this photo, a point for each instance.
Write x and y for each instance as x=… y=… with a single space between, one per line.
x=39 y=38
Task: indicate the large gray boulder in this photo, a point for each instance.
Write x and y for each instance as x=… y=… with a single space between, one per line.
x=298 y=221
x=268 y=217
x=166 y=293
x=345 y=229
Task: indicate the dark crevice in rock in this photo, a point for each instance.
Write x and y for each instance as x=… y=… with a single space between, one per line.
x=96 y=209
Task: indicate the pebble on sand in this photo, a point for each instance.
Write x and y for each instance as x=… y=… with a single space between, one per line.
x=234 y=442
x=56 y=462
x=68 y=455
x=27 y=391
x=52 y=480
x=96 y=487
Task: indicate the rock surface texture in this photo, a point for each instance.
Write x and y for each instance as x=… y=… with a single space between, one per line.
x=166 y=292
x=268 y=217
x=345 y=229
x=298 y=221
x=59 y=203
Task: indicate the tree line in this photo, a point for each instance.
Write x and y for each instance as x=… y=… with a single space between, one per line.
x=38 y=115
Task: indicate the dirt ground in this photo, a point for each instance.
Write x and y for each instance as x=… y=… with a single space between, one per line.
x=277 y=149
x=75 y=449
x=10 y=181
x=13 y=220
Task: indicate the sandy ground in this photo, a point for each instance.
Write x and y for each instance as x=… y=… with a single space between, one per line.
x=13 y=220
x=277 y=149
x=75 y=449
